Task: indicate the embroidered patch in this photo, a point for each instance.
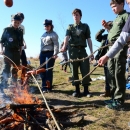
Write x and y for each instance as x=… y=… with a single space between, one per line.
x=10 y=39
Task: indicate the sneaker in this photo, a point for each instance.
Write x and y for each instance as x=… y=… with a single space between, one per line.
x=87 y=95
x=108 y=101
x=62 y=62
x=70 y=79
x=116 y=105
x=106 y=94
x=65 y=71
x=75 y=94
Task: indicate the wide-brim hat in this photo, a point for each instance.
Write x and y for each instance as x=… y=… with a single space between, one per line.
x=47 y=22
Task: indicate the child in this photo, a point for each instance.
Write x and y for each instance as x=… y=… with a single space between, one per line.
x=65 y=59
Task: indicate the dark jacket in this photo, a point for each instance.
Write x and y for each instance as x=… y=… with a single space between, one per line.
x=103 y=40
x=12 y=38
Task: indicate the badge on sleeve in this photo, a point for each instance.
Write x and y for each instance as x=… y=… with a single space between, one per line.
x=10 y=39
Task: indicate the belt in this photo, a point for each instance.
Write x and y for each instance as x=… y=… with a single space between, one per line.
x=79 y=47
x=47 y=51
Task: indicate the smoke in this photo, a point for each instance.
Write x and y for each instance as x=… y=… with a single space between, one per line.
x=1 y=64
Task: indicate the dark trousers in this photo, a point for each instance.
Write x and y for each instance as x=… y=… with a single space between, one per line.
x=79 y=53
x=48 y=74
x=24 y=58
x=13 y=56
x=116 y=75
x=107 y=87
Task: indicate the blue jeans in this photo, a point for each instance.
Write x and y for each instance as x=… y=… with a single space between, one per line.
x=107 y=87
x=127 y=65
x=48 y=74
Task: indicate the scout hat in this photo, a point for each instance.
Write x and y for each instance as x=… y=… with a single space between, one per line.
x=21 y=15
x=47 y=22
x=16 y=17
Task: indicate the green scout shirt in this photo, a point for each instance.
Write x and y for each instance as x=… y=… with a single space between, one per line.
x=12 y=38
x=78 y=34
x=118 y=24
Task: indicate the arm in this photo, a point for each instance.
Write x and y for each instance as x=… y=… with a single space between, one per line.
x=118 y=45
x=90 y=45
x=24 y=43
x=65 y=44
x=98 y=36
x=105 y=25
x=56 y=44
x=1 y=48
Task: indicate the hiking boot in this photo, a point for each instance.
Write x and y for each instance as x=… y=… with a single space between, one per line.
x=106 y=94
x=116 y=105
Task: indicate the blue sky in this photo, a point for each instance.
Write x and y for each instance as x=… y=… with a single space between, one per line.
x=60 y=11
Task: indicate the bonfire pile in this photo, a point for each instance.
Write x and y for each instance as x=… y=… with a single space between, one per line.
x=26 y=112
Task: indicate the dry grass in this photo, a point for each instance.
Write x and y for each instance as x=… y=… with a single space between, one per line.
x=95 y=118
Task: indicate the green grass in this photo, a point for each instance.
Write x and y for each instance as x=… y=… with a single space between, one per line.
x=99 y=118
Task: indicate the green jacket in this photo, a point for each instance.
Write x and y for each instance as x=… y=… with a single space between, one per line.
x=78 y=34
x=118 y=24
x=12 y=38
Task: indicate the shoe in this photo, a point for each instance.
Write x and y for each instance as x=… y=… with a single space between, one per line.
x=62 y=62
x=108 y=101
x=70 y=79
x=95 y=64
x=65 y=71
x=87 y=95
x=116 y=105
x=106 y=94
x=75 y=94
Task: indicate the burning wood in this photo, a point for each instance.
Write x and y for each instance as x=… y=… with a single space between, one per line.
x=29 y=112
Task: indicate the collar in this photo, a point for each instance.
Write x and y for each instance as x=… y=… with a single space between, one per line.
x=122 y=12
x=50 y=31
x=77 y=24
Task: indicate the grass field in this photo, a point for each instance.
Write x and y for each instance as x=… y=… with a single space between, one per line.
x=99 y=118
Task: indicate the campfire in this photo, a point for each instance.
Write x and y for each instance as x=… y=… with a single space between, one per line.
x=23 y=111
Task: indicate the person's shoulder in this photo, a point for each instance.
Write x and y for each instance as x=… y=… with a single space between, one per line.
x=8 y=28
x=21 y=26
x=54 y=33
x=85 y=25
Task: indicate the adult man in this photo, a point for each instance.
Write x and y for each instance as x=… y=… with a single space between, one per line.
x=11 y=46
x=117 y=65
x=76 y=36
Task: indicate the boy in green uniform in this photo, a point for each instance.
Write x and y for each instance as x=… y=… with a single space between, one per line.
x=76 y=36
x=117 y=65
x=11 y=46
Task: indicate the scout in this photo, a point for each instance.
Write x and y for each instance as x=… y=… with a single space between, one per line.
x=11 y=46
x=117 y=65
x=76 y=36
